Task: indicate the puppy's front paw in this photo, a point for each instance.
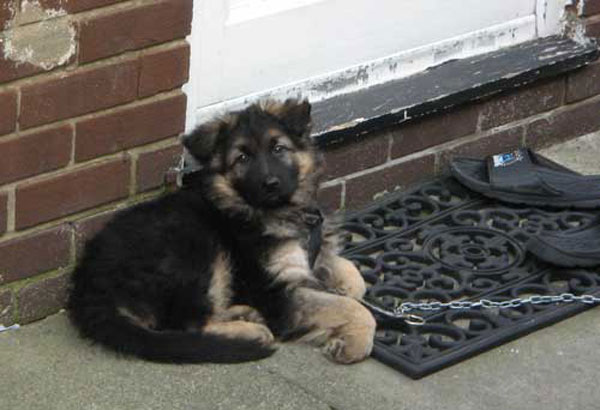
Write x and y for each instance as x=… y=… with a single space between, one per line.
x=353 y=341
x=340 y=276
x=334 y=349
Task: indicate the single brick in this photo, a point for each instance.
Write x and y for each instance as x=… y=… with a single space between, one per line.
x=75 y=6
x=129 y=127
x=434 y=130
x=86 y=228
x=164 y=70
x=7 y=307
x=561 y=126
x=68 y=193
x=35 y=153
x=522 y=103
x=33 y=254
x=78 y=93
x=10 y=70
x=8 y=110
x=130 y=29
x=3 y=212
x=330 y=198
x=7 y=12
x=361 y=191
x=42 y=298
x=356 y=156
x=496 y=143
x=591 y=7
x=152 y=167
x=592 y=26
x=583 y=83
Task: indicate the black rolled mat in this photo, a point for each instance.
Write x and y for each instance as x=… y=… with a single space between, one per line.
x=442 y=242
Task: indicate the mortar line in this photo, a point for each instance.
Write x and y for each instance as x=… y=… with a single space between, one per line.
x=11 y=210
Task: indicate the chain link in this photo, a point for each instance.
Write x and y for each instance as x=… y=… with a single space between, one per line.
x=402 y=311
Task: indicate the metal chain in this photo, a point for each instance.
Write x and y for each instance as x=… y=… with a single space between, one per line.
x=402 y=311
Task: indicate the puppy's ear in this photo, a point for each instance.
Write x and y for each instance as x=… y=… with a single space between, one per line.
x=295 y=116
x=201 y=142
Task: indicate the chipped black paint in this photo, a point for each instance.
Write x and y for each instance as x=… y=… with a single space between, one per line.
x=346 y=117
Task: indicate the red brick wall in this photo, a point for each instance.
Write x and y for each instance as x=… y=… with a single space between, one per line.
x=82 y=137
x=591 y=12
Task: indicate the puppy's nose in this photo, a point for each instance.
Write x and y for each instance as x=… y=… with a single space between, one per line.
x=271 y=184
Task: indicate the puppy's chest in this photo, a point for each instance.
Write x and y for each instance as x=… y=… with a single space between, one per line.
x=269 y=266
x=263 y=265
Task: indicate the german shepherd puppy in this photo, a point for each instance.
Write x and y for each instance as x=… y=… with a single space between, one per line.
x=216 y=271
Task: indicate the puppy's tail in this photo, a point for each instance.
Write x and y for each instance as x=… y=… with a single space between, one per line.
x=124 y=336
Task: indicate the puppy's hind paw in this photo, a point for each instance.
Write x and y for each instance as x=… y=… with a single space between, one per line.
x=262 y=334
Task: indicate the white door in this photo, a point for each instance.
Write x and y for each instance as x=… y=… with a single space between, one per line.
x=243 y=49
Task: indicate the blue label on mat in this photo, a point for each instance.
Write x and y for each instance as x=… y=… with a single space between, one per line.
x=502 y=160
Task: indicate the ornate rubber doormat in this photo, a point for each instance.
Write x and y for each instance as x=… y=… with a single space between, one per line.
x=441 y=242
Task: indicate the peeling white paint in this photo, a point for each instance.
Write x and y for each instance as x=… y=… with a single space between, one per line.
x=48 y=42
x=573 y=25
x=32 y=10
x=10 y=7
x=580 y=7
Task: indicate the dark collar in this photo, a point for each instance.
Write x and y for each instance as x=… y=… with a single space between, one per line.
x=313 y=218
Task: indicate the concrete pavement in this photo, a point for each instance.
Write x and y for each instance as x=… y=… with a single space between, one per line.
x=46 y=366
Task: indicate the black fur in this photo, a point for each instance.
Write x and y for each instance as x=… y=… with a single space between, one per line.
x=155 y=260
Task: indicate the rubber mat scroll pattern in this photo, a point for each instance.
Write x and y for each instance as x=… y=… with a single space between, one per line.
x=441 y=242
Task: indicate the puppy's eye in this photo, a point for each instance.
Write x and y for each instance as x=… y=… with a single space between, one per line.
x=278 y=149
x=242 y=158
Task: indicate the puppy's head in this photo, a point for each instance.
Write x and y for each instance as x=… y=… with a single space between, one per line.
x=260 y=154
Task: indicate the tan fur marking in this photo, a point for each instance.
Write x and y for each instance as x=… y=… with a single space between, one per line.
x=281 y=139
x=239 y=329
x=340 y=324
x=223 y=186
x=226 y=197
x=282 y=225
x=219 y=292
x=240 y=312
x=146 y=321
x=272 y=107
x=289 y=263
x=340 y=275
x=306 y=163
x=309 y=174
